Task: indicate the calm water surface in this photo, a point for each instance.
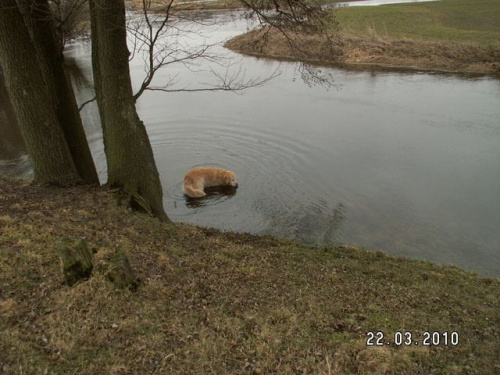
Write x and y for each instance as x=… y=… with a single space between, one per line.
x=405 y=163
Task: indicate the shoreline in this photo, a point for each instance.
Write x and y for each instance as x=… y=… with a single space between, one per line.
x=370 y=66
x=361 y=52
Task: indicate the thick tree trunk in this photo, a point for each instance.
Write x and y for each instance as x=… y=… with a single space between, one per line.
x=45 y=142
x=131 y=164
x=11 y=141
x=39 y=20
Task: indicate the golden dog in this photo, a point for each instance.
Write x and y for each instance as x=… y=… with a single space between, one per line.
x=199 y=178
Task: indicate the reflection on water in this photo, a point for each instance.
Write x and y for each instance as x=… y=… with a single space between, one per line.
x=319 y=224
x=406 y=163
x=214 y=196
x=16 y=168
x=80 y=80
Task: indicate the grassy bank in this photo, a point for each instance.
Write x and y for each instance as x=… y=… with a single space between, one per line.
x=475 y=22
x=212 y=302
x=446 y=35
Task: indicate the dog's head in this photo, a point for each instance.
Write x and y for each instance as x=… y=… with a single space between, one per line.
x=230 y=179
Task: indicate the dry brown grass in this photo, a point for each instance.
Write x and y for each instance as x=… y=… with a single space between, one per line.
x=221 y=303
x=353 y=50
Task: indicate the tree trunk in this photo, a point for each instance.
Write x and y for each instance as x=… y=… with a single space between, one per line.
x=39 y=20
x=120 y=272
x=77 y=261
x=45 y=142
x=11 y=141
x=131 y=164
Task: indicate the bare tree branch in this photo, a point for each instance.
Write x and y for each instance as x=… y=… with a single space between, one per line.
x=151 y=42
x=86 y=102
x=293 y=18
x=234 y=82
x=162 y=37
x=71 y=19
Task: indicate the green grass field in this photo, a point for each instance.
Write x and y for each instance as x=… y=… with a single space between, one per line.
x=463 y=21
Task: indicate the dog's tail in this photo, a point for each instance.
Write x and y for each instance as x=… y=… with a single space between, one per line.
x=193 y=193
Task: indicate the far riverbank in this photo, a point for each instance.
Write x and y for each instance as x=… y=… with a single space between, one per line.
x=448 y=36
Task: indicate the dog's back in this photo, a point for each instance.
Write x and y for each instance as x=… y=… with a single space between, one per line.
x=198 y=178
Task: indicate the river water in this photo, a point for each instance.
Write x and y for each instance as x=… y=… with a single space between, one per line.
x=404 y=162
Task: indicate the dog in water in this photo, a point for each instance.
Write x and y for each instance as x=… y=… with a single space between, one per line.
x=199 y=178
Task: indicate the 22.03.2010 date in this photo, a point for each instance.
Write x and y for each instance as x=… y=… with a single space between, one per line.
x=406 y=338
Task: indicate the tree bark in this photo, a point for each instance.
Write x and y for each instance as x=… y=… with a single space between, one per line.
x=77 y=261
x=11 y=141
x=45 y=142
x=38 y=18
x=131 y=164
x=120 y=272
